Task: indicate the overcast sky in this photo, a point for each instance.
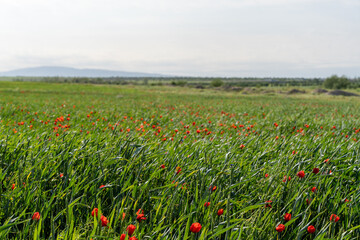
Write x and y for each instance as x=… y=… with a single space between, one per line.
x=295 y=38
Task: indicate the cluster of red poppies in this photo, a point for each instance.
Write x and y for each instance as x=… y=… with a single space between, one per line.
x=130 y=228
x=287 y=216
x=310 y=228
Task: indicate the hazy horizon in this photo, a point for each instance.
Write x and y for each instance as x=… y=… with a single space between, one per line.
x=248 y=38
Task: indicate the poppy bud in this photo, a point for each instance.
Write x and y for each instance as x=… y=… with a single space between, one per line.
x=36 y=216
x=220 y=212
x=94 y=212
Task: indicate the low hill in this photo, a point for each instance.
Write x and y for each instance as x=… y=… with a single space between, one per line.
x=47 y=71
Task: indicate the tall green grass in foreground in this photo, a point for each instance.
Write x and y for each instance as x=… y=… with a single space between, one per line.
x=60 y=143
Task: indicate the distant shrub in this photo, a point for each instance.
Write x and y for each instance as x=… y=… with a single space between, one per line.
x=217 y=83
x=180 y=83
x=336 y=82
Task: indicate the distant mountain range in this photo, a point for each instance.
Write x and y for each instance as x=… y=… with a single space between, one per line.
x=72 y=72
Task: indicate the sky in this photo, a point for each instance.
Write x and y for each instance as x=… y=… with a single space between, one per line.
x=228 y=38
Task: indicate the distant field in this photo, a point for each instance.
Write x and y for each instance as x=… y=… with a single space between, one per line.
x=177 y=155
x=178 y=81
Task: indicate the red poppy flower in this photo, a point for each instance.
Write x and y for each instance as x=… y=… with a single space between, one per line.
x=334 y=218
x=133 y=238
x=346 y=200
x=162 y=166
x=213 y=189
x=122 y=237
x=140 y=217
x=268 y=205
x=94 y=212
x=178 y=170
x=104 y=221
x=36 y=216
x=195 y=227
x=308 y=201
x=285 y=179
x=61 y=175
x=301 y=174
x=287 y=217
x=316 y=170
x=13 y=186
x=207 y=204
x=102 y=186
x=280 y=228
x=314 y=189
x=130 y=229
x=220 y=212
x=311 y=229
x=139 y=211
x=266 y=175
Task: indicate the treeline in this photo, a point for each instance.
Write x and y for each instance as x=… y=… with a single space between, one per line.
x=333 y=82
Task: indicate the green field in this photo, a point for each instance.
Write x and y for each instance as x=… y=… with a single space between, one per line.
x=67 y=149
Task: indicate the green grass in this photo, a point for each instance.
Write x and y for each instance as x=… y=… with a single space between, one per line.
x=119 y=136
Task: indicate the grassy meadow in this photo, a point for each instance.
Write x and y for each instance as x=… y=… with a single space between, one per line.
x=162 y=158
